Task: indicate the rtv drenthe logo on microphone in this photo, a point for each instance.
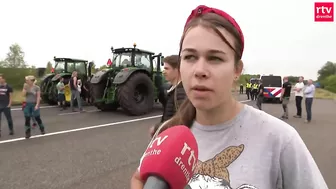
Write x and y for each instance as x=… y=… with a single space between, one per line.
x=191 y=160
x=185 y=160
x=153 y=151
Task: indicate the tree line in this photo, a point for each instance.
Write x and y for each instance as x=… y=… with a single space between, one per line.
x=15 y=60
x=327 y=76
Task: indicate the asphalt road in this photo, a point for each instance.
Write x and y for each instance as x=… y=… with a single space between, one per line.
x=100 y=150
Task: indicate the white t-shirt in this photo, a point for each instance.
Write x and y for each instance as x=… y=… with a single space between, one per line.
x=253 y=151
x=299 y=86
x=79 y=86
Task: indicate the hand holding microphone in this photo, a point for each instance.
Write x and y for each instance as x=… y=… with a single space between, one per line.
x=170 y=159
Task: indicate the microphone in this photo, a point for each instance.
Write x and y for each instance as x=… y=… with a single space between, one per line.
x=170 y=159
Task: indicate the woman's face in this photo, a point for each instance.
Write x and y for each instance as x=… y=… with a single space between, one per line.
x=207 y=67
x=29 y=82
x=169 y=72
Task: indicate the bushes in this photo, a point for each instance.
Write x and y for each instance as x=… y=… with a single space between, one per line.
x=15 y=76
x=329 y=83
x=244 y=78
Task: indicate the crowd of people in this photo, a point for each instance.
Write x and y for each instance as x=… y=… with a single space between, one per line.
x=32 y=100
x=255 y=90
x=30 y=106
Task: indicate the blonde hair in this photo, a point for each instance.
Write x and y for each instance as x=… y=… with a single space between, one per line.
x=30 y=77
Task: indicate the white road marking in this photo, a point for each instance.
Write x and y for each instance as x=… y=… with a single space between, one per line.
x=89 y=127
x=245 y=101
x=42 y=107
x=82 y=129
x=70 y=113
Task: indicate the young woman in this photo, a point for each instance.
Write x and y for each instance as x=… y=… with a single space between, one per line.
x=24 y=105
x=75 y=93
x=239 y=146
x=31 y=93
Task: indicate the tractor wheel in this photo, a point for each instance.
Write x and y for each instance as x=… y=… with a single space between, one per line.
x=52 y=94
x=43 y=86
x=136 y=96
x=46 y=96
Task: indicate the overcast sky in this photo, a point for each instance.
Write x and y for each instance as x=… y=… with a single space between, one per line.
x=281 y=36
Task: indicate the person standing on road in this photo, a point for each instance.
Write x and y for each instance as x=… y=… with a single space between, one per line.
x=176 y=94
x=75 y=94
x=260 y=95
x=86 y=92
x=248 y=90
x=241 y=89
x=24 y=105
x=309 y=93
x=32 y=95
x=298 y=90
x=6 y=93
x=285 y=96
x=60 y=94
x=254 y=92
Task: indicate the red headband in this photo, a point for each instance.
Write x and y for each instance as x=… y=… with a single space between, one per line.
x=202 y=9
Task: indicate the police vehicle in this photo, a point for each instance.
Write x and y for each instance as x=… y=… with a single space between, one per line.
x=272 y=87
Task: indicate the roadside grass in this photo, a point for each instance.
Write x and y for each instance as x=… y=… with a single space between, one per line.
x=324 y=94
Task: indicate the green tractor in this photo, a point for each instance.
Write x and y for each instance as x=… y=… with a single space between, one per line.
x=63 y=69
x=133 y=80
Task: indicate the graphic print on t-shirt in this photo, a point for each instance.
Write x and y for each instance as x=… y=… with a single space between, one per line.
x=213 y=173
x=3 y=91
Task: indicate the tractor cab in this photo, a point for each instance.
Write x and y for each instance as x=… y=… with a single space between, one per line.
x=65 y=66
x=134 y=58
